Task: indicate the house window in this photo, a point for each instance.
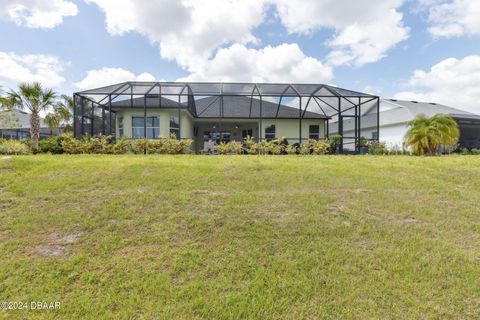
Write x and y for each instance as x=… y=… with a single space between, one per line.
x=375 y=135
x=314 y=132
x=174 y=126
x=120 y=127
x=270 y=132
x=138 y=127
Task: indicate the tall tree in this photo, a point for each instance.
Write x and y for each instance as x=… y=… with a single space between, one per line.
x=34 y=98
x=61 y=115
x=425 y=135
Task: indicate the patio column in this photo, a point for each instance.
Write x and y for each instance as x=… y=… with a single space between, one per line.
x=300 y=119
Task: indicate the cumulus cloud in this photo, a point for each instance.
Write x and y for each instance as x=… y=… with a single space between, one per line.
x=193 y=32
x=454 y=82
x=37 y=13
x=187 y=31
x=452 y=18
x=365 y=29
x=16 y=68
x=107 y=76
x=283 y=63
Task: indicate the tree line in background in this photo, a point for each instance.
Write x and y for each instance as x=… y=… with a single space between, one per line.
x=425 y=135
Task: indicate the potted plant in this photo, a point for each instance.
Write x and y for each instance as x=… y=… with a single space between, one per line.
x=363 y=145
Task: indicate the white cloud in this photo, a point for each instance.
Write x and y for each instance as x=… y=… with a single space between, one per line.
x=37 y=13
x=187 y=31
x=108 y=76
x=453 y=18
x=190 y=31
x=283 y=63
x=46 y=69
x=452 y=82
x=365 y=29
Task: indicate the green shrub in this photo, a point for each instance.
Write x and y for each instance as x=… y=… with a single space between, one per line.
x=250 y=146
x=139 y=146
x=313 y=146
x=475 y=151
x=276 y=148
x=377 y=148
x=305 y=148
x=269 y=147
x=320 y=146
x=14 y=147
x=158 y=146
x=122 y=146
x=234 y=147
x=52 y=144
x=176 y=146
x=362 y=142
x=97 y=144
x=291 y=149
x=335 y=142
x=71 y=145
x=222 y=148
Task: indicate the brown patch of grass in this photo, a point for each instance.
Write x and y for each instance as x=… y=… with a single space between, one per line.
x=57 y=244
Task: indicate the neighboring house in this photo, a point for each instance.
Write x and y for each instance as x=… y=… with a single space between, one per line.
x=212 y=112
x=395 y=115
x=15 y=124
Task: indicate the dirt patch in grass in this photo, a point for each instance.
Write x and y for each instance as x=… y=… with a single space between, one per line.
x=411 y=220
x=207 y=192
x=58 y=244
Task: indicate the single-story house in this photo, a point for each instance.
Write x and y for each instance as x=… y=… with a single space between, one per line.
x=395 y=115
x=206 y=112
x=15 y=124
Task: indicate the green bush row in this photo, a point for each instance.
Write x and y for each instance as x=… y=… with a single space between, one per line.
x=473 y=151
x=276 y=146
x=106 y=145
x=66 y=143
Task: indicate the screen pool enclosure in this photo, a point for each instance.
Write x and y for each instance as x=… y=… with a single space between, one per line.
x=343 y=110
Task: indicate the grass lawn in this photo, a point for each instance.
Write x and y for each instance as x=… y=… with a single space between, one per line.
x=250 y=237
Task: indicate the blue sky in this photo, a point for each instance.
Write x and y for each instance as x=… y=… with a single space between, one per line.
x=421 y=50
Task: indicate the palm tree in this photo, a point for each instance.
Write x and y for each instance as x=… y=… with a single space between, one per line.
x=425 y=135
x=35 y=99
x=61 y=115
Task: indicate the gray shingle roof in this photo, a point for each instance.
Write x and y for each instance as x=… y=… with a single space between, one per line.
x=244 y=107
x=233 y=107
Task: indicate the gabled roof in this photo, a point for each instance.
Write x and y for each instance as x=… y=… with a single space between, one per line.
x=246 y=107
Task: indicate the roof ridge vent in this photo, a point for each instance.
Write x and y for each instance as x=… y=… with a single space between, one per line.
x=414 y=101
x=394 y=100
x=433 y=103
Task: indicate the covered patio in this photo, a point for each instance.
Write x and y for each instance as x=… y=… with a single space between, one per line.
x=225 y=110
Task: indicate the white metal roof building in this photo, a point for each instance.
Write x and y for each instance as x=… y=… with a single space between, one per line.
x=395 y=115
x=18 y=126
